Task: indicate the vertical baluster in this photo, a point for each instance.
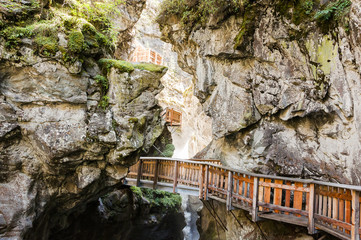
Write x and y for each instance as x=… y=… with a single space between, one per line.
x=277 y=200
x=335 y=205
x=260 y=193
x=311 y=204
x=201 y=181
x=255 y=200
x=341 y=208
x=355 y=228
x=225 y=177
x=324 y=201
x=229 y=191
x=267 y=193
x=288 y=197
x=139 y=172
x=348 y=210
x=250 y=186
x=156 y=174
x=206 y=183
x=297 y=201
x=175 y=179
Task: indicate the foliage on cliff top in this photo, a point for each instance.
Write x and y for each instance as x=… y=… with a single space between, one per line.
x=197 y=12
x=157 y=198
x=87 y=27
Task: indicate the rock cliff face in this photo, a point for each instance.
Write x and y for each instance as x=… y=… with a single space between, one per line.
x=195 y=132
x=69 y=127
x=280 y=81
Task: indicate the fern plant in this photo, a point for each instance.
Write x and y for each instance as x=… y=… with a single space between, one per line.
x=334 y=10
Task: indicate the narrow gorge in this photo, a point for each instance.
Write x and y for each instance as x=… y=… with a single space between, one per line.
x=265 y=86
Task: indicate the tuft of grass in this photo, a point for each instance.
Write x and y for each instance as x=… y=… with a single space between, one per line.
x=123 y=66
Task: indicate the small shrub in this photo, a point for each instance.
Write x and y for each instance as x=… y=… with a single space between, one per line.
x=104 y=102
x=158 y=199
x=169 y=150
x=334 y=10
x=102 y=81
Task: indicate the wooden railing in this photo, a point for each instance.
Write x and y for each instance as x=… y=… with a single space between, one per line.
x=333 y=208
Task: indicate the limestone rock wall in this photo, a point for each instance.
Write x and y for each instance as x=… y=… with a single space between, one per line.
x=195 y=132
x=59 y=147
x=285 y=98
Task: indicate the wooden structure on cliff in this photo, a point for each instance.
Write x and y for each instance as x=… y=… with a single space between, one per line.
x=142 y=54
x=172 y=117
x=333 y=208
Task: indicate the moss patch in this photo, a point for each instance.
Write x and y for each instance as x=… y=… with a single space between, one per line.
x=150 y=67
x=123 y=66
x=76 y=41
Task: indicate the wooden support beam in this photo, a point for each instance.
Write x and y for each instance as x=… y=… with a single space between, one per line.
x=139 y=172
x=156 y=174
x=255 y=200
x=229 y=191
x=355 y=215
x=201 y=181
x=311 y=207
x=175 y=179
x=206 y=183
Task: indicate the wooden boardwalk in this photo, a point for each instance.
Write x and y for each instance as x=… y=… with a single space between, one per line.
x=333 y=208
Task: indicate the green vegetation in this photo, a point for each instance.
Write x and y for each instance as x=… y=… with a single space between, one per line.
x=169 y=150
x=104 y=102
x=150 y=67
x=86 y=26
x=102 y=81
x=158 y=199
x=76 y=41
x=198 y=13
x=123 y=66
x=333 y=11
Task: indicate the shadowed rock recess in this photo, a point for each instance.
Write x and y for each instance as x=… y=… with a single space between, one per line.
x=72 y=119
x=280 y=80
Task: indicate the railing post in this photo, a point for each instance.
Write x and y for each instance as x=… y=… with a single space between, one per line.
x=355 y=235
x=201 y=180
x=206 y=183
x=156 y=174
x=311 y=210
x=139 y=172
x=229 y=191
x=255 y=200
x=175 y=177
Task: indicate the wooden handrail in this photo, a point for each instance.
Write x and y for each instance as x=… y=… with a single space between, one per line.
x=331 y=207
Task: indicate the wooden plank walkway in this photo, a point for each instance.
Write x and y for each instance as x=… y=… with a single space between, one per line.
x=330 y=207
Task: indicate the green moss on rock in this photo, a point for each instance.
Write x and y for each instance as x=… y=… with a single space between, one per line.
x=150 y=67
x=76 y=41
x=123 y=66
